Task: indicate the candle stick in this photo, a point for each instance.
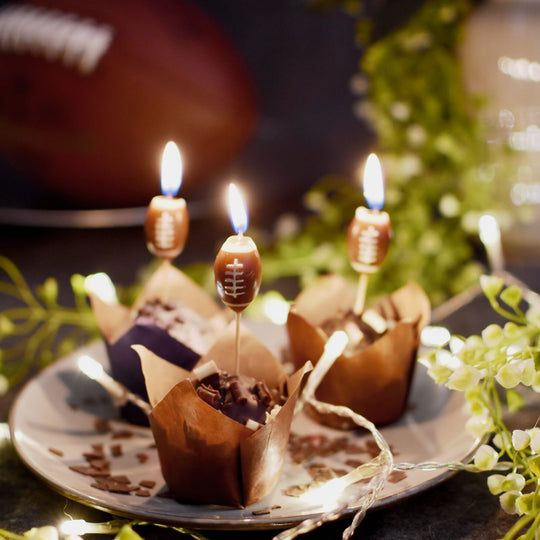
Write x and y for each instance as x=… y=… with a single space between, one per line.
x=167 y=221
x=237 y=268
x=369 y=233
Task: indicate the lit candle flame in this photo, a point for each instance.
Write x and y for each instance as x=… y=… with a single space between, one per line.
x=237 y=210
x=373 y=183
x=171 y=170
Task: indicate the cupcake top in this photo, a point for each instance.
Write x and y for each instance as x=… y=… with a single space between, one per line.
x=245 y=399
x=362 y=329
x=180 y=321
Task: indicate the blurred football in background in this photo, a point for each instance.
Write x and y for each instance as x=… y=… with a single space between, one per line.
x=91 y=90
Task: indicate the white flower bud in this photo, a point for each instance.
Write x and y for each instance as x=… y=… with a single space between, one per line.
x=463 y=378
x=478 y=426
x=492 y=335
x=494 y=483
x=513 y=482
x=520 y=439
x=485 y=458
x=509 y=376
x=527 y=371
x=534 y=433
x=508 y=501
x=400 y=111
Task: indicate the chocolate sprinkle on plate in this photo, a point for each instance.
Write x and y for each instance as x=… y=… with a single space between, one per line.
x=147 y=483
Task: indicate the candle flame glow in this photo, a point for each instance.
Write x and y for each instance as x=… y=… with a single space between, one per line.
x=171 y=170
x=373 y=183
x=237 y=210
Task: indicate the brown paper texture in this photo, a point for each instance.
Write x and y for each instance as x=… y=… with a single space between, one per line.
x=205 y=456
x=374 y=381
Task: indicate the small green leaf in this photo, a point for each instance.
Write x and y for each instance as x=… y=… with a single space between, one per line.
x=534 y=465
x=77 y=284
x=127 y=533
x=514 y=400
x=511 y=296
x=48 y=291
x=6 y=326
x=439 y=373
x=492 y=286
x=528 y=503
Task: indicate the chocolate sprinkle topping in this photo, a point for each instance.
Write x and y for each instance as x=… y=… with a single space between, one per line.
x=209 y=395
x=240 y=397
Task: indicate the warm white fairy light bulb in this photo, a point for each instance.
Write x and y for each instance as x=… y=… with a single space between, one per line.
x=275 y=308
x=490 y=236
x=102 y=286
x=90 y=367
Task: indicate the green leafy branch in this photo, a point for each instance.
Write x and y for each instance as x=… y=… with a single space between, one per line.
x=34 y=328
x=491 y=369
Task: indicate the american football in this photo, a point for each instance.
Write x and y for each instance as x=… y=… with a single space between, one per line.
x=91 y=91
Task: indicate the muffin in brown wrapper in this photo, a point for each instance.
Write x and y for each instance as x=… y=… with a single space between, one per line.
x=373 y=380
x=183 y=343
x=205 y=456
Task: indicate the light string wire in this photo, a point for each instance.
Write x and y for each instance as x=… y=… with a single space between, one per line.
x=453 y=466
x=378 y=468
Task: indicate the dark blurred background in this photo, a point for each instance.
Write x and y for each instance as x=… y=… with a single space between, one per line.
x=301 y=59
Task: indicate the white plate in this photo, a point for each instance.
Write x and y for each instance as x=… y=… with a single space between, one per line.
x=44 y=417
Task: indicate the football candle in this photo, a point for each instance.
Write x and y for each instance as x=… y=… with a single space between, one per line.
x=369 y=233
x=237 y=268
x=167 y=221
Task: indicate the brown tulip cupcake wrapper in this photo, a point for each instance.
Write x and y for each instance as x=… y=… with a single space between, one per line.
x=205 y=456
x=375 y=380
x=120 y=330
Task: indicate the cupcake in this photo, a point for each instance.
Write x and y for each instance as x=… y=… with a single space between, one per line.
x=173 y=317
x=373 y=375
x=221 y=436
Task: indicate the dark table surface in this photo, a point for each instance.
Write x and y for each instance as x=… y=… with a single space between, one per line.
x=459 y=508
